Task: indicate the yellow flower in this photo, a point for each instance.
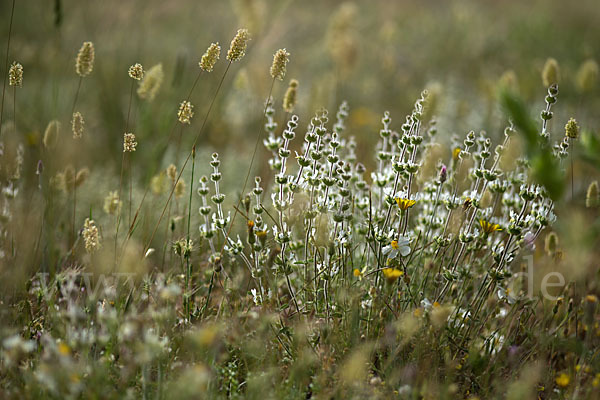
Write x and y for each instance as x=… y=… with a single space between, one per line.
x=455 y=153
x=404 y=204
x=591 y=298
x=596 y=381
x=563 y=380
x=488 y=227
x=392 y=274
x=63 y=349
x=357 y=272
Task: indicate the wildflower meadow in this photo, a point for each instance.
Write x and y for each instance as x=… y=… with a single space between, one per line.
x=299 y=200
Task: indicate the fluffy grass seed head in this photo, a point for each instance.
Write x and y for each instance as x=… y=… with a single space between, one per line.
x=210 y=57
x=289 y=100
x=186 y=112
x=172 y=172
x=151 y=82
x=237 y=49
x=179 y=188
x=550 y=73
x=85 y=59
x=280 y=60
x=68 y=180
x=77 y=125
x=157 y=183
x=592 y=199
x=112 y=203
x=572 y=129
x=129 y=143
x=587 y=76
x=91 y=236
x=15 y=74
x=81 y=176
x=51 y=134
x=551 y=243
x=136 y=71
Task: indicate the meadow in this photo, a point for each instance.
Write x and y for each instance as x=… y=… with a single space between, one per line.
x=281 y=199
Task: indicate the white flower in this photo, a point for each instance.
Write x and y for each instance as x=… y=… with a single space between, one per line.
x=426 y=304
x=400 y=246
x=529 y=240
x=505 y=294
x=494 y=343
x=257 y=298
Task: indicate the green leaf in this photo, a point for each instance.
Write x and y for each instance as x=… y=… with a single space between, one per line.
x=591 y=148
x=545 y=168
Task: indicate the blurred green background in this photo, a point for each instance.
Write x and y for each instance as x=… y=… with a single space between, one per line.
x=378 y=55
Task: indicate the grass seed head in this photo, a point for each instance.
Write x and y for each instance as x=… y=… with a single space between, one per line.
x=289 y=100
x=587 y=76
x=15 y=75
x=112 y=203
x=280 y=60
x=136 y=71
x=210 y=57
x=151 y=82
x=572 y=129
x=186 y=112
x=91 y=236
x=238 y=46
x=85 y=59
x=550 y=73
x=592 y=199
x=180 y=188
x=129 y=143
x=77 y=125
x=51 y=134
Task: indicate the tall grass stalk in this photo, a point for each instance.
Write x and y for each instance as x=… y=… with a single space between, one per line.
x=123 y=159
x=188 y=267
x=5 y=75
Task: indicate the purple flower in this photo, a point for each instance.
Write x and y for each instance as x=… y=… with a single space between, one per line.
x=443 y=174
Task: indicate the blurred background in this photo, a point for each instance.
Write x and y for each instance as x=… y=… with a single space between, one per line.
x=377 y=54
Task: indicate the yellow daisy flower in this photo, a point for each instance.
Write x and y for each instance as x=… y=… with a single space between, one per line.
x=488 y=227
x=455 y=153
x=563 y=380
x=392 y=274
x=404 y=204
